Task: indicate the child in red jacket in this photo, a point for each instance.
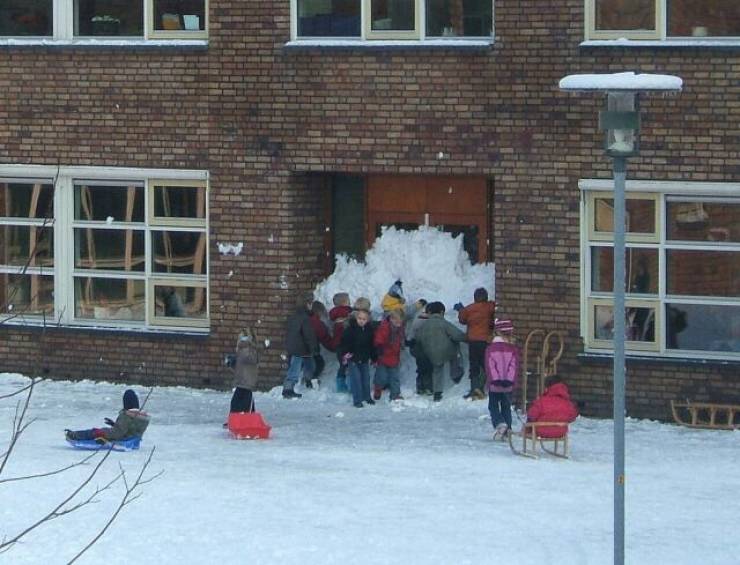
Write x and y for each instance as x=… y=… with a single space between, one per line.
x=388 y=340
x=553 y=405
x=339 y=316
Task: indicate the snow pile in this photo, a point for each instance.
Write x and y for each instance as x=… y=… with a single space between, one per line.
x=432 y=265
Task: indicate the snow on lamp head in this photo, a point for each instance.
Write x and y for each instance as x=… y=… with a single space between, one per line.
x=621 y=119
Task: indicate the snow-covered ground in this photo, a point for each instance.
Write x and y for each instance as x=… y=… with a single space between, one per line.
x=419 y=483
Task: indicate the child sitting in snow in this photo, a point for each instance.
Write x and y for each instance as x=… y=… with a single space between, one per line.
x=502 y=361
x=553 y=405
x=131 y=422
x=388 y=340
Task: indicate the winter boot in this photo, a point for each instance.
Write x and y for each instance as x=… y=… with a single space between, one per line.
x=477 y=394
x=437 y=397
x=501 y=432
x=290 y=393
x=377 y=392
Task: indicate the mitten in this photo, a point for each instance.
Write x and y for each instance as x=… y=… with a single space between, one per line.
x=109 y=422
x=457 y=307
x=345 y=358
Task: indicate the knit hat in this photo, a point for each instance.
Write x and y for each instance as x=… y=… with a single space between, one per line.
x=395 y=290
x=503 y=326
x=130 y=400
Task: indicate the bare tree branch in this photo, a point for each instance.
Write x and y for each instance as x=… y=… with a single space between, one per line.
x=18 y=426
x=39 y=475
x=128 y=497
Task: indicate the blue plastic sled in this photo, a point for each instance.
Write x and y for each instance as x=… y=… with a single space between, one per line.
x=120 y=445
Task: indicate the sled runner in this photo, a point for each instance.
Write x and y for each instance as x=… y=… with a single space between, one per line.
x=127 y=444
x=530 y=435
x=706 y=415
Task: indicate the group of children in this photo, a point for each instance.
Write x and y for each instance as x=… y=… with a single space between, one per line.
x=359 y=342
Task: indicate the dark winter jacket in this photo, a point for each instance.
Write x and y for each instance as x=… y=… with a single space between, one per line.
x=339 y=316
x=130 y=423
x=478 y=317
x=322 y=333
x=388 y=341
x=300 y=339
x=438 y=339
x=359 y=342
x=553 y=406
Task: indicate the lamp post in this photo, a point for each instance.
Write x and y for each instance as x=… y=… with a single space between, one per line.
x=621 y=122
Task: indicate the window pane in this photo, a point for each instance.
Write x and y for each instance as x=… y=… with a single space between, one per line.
x=27 y=294
x=703 y=273
x=639 y=215
x=26 y=17
x=18 y=243
x=26 y=200
x=393 y=15
x=180 y=202
x=178 y=252
x=102 y=203
x=703 y=327
x=465 y=18
x=703 y=221
x=329 y=18
x=703 y=18
x=109 y=299
x=111 y=250
x=629 y=15
x=176 y=15
x=639 y=323
x=180 y=302
x=109 y=17
x=641 y=270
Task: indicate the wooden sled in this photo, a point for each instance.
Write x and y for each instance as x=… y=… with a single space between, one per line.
x=706 y=415
x=531 y=438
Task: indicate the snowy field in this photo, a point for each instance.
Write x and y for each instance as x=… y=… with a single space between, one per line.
x=411 y=484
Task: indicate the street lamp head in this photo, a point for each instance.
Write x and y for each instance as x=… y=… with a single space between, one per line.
x=621 y=119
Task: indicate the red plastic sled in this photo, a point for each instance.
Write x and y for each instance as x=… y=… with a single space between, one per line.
x=248 y=425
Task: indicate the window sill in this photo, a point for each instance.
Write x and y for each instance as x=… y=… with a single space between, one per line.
x=93 y=43
x=602 y=358
x=667 y=43
x=461 y=44
x=38 y=325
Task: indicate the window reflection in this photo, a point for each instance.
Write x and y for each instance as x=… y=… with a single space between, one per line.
x=112 y=250
x=625 y=14
x=639 y=215
x=109 y=299
x=329 y=18
x=26 y=245
x=24 y=200
x=703 y=221
x=27 y=294
x=180 y=301
x=178 y=252
x=26 y=18
x=703 y=273
x=109 y=18
x=393 y=15
x=465 y=18
x=180 y=202
x=641 y=270
x=103 y=203
x=703 y=18
x=703 y=327
x=639 y=323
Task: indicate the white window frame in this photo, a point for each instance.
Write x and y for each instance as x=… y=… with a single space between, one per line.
x=662 y=192
x=63 y=28
x=64 y=223
x=378 y=37
x=659 y=34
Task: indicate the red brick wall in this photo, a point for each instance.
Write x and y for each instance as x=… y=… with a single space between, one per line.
x=265 y=119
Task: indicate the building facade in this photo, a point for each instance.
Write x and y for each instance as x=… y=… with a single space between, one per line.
x=175 y=172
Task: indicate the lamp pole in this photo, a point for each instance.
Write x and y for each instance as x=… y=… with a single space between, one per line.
x=622 y=124
x=620 y=176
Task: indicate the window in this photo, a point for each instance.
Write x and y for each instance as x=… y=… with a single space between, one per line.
x=95 y=247
x=663 y=19
x=682 y=276
x=393 y=19
x=80 y=19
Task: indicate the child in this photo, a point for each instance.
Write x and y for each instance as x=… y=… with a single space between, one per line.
x=502 y=362
x=318 y=319
x=356 y=352
x=477 y=317
x=423 y=366
x=388 y=340
x=553 y=405
x=131 y=422
x=439 y=341
x=301 y=343
x=246 y=372
x=339 y=316
x=393 y=300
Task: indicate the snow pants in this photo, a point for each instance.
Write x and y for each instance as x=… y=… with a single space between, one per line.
x=389 y=377
x=241 y=400
x=499 y=405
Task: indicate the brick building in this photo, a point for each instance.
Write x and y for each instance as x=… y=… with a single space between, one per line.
x=169 y=173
